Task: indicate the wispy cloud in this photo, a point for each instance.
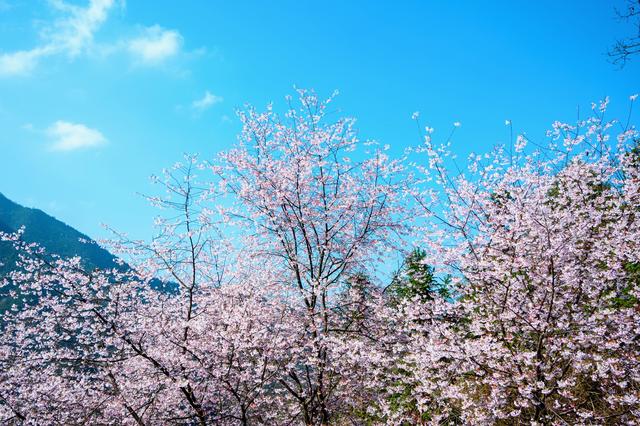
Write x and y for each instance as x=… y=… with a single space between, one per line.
x=69 y=35
x=20 y=62
x=68 y=136
x=155 y=45
x=206 y=101
x=73 y=35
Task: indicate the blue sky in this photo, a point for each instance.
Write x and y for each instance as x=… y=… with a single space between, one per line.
x=95 y=96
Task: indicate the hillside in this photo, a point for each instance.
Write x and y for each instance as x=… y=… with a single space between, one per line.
x=56 y=236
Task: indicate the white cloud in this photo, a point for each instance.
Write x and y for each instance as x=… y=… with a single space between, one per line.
x=155 y=46
x=19 y=63
x=206 y=101
x=69 y=35
x=72 y=35
x=71 y=136
x=75 y=32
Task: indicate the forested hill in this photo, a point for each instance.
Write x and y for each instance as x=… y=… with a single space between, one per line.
x=57 y=238
x=54 y=235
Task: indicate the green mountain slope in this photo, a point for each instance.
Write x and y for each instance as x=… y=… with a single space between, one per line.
x=54 y=235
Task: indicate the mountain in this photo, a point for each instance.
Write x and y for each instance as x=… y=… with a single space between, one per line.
x=55 y=236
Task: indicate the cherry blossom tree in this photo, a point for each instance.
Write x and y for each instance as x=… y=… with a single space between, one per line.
x=325 y=215
x=109 y=346
x=544 y=248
